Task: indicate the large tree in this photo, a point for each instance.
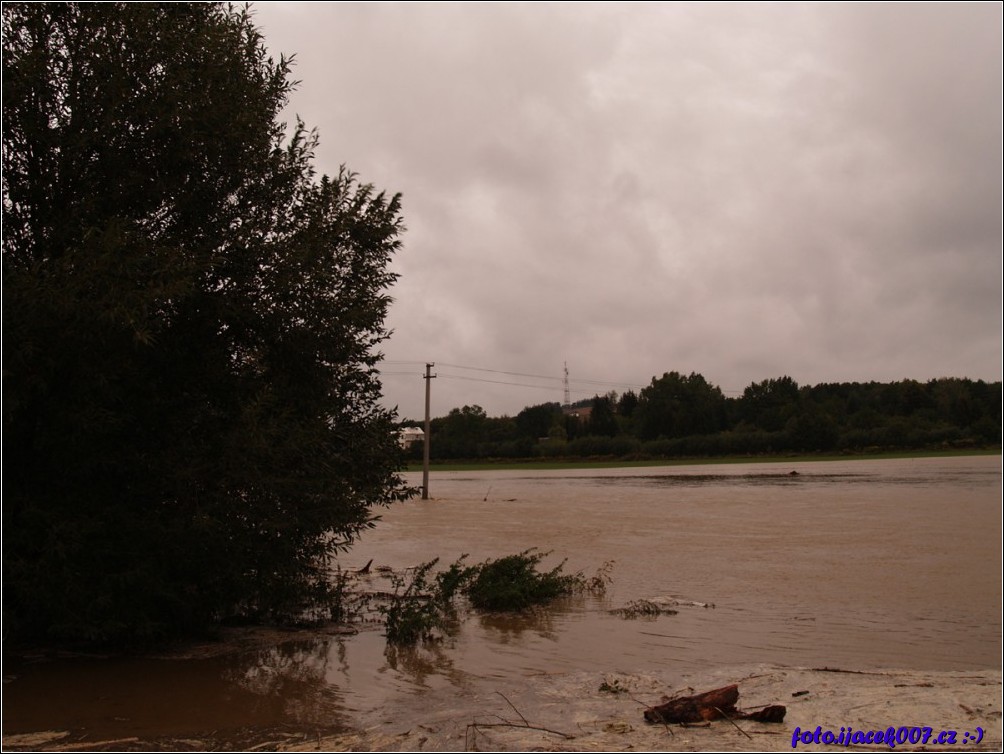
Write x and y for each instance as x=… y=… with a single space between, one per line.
x=191 y=424
x=675 y=405
x=769 y=404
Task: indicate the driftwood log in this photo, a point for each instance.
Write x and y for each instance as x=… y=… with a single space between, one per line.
x=711 y=705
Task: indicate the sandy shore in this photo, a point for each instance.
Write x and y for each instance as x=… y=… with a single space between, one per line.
x=573 y=713
x=581 y=717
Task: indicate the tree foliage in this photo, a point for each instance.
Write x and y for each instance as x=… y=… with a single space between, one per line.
x=675 y=405
x=602 y=418
x=461 y=431
x=770 y=403
x=534 y=422
x=190 y=411
x=687 y=416
x=424 y=606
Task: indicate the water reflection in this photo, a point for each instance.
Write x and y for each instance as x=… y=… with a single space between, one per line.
x=297 y=673
x=508 y=628
x=212 y=699
x=420 y=662
x=920 y=476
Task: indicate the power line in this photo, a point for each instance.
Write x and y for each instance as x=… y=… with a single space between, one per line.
x=494 y=382
x=572 y=380
x=499 y=371
x=575 y=383
x=602 y=383
x=575 y=390
x=622 y=385
x=570 y=385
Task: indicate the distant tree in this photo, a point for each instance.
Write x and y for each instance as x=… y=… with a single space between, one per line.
x=575 y=425
x=676 y=406
x=499 y=429
x=602 y=420
x=627 y=404
x=558 y=433
x=905 y=398
x=987 y=396
x=812 y=430
x=770 y=404
x=459 y=433
x=955 y=401
x=191 y=424
x=534 y=422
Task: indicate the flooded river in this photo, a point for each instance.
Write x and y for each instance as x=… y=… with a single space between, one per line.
x=853 y=564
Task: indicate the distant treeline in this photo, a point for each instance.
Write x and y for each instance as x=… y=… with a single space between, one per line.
x=679 y=415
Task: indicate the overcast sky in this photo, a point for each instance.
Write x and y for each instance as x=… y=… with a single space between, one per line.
x=744 y=191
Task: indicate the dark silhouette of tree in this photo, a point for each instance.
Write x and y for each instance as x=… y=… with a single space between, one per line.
x=812 y=430
x=627 y=404
x=191 y=424
x=769 y=404
x=459 y=434
x=602 y=419
x=685 y=416
x=677 y=406
x=534 y=422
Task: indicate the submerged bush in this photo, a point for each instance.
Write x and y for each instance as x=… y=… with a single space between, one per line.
x=425 y=607
x=643 y=608
x=514 y=583
x=412 y=613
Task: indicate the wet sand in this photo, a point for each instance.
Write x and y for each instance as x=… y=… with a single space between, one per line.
x=583 y=718
x=571 y=712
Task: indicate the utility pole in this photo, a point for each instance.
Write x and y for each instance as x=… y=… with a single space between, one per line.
x=429 y=377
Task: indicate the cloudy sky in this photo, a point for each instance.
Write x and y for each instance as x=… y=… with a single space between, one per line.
x=745 y=191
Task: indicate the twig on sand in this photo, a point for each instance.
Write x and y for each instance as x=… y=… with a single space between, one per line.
x=734 y=723
x=264 y=745
x=841 y=670
x=510 y=724
x=525 y=722
x=658 y=718
x=471 y=736
x=80 y=745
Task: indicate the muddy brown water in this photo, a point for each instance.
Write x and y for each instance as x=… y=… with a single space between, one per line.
x=852 y=564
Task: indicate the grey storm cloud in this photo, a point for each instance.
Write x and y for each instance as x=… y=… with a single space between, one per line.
x=743 y=191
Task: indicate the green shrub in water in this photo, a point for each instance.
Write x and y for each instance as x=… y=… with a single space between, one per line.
x=413 y=612
x=424 y=607
x=514 y=583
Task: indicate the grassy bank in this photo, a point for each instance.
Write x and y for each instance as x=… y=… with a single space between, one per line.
x=611 y=463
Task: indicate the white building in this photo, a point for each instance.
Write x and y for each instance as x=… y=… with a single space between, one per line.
x=408 y=436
